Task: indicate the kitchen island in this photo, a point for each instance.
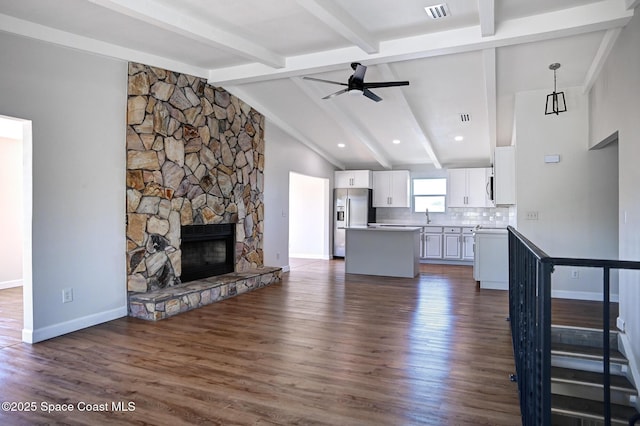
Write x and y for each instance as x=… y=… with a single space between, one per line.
x=387 y=251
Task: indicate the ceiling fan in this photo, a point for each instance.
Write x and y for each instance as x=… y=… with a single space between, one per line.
x=356 y=83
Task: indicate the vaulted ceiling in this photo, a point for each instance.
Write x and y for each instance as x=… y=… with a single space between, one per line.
x=464 y=69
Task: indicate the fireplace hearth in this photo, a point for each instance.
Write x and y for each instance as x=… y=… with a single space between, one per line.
x=207 y=250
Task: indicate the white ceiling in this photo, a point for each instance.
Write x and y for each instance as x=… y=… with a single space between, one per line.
x=472 y=62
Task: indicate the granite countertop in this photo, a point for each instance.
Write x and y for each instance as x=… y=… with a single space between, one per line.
x=420 y=224
x=413 y=224
x=398 y=228
x=487 y=230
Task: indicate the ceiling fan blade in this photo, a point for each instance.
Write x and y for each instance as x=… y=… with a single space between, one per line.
x=356 y=83
x=369 y=94
x=358 y=75
x=339 y=92
x=373 y=85
x=324 y=81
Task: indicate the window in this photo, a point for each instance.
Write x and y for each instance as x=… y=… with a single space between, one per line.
x=429 y=194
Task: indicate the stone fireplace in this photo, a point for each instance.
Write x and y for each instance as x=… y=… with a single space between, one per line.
x=195 y=158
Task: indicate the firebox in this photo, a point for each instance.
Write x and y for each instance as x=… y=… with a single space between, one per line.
x=207 y=250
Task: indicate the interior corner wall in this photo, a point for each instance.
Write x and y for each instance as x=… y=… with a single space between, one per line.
x=575 y=199
x=11 y=212
x=284 y=154
x=615 y=106
x=76 y=102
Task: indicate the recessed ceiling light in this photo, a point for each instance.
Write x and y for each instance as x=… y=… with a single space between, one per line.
x=341 y=145
x=396 y=141
x=458 y=138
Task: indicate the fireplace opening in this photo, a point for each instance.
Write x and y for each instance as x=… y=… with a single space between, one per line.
x=207 y=250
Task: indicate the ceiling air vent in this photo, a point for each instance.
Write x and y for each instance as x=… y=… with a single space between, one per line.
x=438 y=11
x=465 y=118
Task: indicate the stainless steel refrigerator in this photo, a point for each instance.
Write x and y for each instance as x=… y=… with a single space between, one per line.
x=352 y=207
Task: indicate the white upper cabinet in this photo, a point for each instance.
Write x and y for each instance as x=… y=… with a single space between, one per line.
x=505 y=175
x=468 y=187
x=352 y=179
x=456 y=187
x=391 y=189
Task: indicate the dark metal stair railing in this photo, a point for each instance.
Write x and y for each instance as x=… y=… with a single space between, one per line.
x=530 y=277
x=530 y=271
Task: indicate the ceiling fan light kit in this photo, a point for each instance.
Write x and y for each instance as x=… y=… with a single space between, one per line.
x=555 y=101
x=356 y=85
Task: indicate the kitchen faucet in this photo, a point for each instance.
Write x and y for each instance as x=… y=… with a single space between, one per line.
x=426 y=212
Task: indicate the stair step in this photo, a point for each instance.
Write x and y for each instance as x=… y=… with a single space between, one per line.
x=582 y=336
x=589 y=385
x=589 y=410
x=586 y=352
x=591 y=379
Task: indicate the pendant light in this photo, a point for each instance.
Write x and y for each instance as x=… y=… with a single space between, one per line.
x=555 y=101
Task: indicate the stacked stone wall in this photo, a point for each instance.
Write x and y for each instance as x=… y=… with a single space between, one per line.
x=195 y=155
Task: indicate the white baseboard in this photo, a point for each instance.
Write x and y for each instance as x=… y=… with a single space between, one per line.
x=634 y=361
x=555 y=294
x=286 y=268
x=580 y=295
x=309 y=256
x=10 y=284
x=494 y=285
x=55 y=330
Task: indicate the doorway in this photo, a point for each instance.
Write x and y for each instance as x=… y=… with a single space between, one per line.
x=15 y=227
x=309 y=207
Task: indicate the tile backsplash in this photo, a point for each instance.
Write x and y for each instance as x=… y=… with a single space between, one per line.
x=488 y=216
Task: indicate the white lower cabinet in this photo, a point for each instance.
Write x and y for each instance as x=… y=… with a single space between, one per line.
x=452 y=245
x=491 y=265
x=468 y=247
x=447 y=243
x=431 y=246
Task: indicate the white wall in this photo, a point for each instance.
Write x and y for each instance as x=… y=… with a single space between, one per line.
x=11 y=212
x=308 y=220
x=77 y=104
x=284 y=154
x=615 y=106
x=576 y=199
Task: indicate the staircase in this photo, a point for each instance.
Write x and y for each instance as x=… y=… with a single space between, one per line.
x=577 y=379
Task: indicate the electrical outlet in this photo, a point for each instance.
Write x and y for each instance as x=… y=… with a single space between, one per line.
x=532 y=215
x=67 y=295
x=620 y=324
x=574 y=274
x=277 y=256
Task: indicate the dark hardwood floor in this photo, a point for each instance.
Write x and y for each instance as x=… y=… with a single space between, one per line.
x=320 y=348
x=10 y=316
